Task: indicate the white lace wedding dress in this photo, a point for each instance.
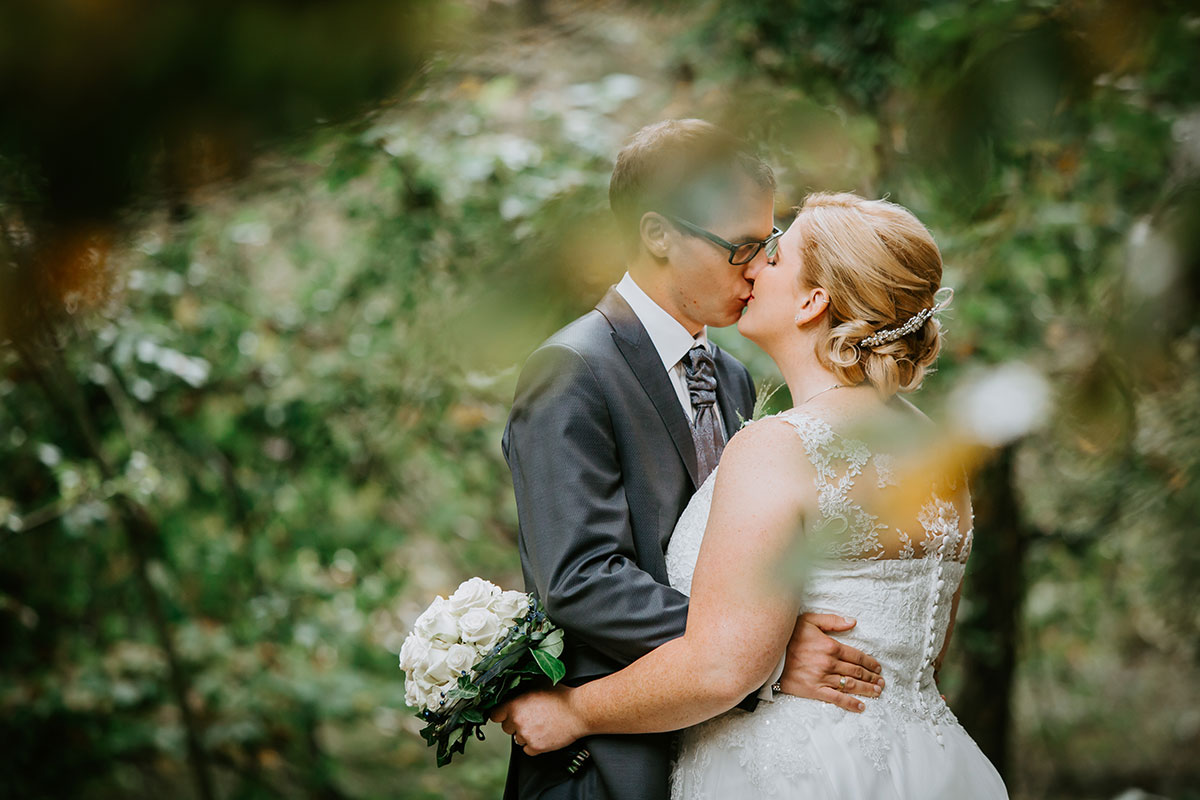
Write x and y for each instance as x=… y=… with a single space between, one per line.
x=899 y=585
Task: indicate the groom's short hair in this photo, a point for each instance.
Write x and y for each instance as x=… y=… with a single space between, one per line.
x=675 y=166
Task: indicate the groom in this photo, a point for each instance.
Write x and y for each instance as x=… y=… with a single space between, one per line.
x=617 y=420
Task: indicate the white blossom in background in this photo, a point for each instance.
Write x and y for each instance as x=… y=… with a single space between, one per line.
x=1153 y=260
x=1001 y=404
x=197 y=273
x=469 y=147
x=49 y=454
x=142 y=389
x=150 y=243
x=255 y=234
x=193 y=370
x=173 y=284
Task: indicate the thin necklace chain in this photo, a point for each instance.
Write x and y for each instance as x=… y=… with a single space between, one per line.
x=823 y=391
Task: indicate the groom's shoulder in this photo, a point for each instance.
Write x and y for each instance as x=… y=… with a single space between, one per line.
x=588 y=337
x=580 y=349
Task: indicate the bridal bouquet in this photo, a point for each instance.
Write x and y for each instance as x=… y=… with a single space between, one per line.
x=467 y=654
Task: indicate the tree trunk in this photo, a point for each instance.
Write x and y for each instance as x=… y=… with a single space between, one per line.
x=995 y=586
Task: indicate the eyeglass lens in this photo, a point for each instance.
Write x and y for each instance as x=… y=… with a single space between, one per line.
x=746 y=252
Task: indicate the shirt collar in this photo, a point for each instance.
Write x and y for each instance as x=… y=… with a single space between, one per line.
x=671 y=340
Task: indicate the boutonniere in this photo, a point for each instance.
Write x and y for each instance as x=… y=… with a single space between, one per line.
x=765 y=392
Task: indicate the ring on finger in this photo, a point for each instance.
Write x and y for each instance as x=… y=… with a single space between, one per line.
x=517 y=739
x=842 y=683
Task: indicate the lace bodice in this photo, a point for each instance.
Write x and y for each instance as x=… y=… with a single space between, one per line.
x=897 y=580
x=844 y=529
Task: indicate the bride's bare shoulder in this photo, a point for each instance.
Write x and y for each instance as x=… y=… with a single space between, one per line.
x=766 y=448
x=766 y=433
x=764 y=471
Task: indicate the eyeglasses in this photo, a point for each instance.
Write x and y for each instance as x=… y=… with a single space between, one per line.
x=740 y=253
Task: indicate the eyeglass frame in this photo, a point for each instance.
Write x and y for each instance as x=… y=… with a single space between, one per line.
x=696 y=230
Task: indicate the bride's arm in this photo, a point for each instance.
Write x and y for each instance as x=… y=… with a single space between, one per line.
x=739 y=621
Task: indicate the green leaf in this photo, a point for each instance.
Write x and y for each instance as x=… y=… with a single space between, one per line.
x=472 y=715
x=550 y=665
x=462 y=693
x=553 y=644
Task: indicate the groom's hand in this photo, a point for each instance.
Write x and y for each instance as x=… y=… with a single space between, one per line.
x=817 y=664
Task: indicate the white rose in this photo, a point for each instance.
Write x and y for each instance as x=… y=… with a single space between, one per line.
x=430 y=693
x=436 y=622
x=460 y=658
x=434 y=668
x=414 y=696
x=473 y=593
x=480 y=627
x=413 y=652
x=511 y=606
x=421 y=693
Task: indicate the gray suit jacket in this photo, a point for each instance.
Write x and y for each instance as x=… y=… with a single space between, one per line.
x=603 y=465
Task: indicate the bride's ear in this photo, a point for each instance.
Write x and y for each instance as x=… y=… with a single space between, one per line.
x=813 y=304
x=656 y=234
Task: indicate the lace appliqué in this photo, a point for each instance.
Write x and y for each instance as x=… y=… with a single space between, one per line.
x=847 y=529
x=939 y=518
x=885 y=470
x=906 y=545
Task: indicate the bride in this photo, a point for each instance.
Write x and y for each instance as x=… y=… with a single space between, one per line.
x=845 y=309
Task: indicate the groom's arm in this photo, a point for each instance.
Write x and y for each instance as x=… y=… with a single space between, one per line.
x=574 y=516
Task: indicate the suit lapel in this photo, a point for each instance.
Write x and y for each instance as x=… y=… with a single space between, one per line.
x=730 y=402
x=639 y=352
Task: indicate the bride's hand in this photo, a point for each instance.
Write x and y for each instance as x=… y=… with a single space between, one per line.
x=540 y=721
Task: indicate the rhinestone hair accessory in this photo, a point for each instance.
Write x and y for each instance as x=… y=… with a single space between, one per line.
x=913 y=323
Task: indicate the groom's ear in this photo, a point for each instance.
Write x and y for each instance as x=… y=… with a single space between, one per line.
x=656 y=234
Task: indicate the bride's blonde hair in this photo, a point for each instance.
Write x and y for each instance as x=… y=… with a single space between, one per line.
x=881 y=267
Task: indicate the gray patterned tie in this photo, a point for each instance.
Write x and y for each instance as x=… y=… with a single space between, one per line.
x=701 y=374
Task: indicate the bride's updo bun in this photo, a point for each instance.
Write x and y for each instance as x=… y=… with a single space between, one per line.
x=881 y=267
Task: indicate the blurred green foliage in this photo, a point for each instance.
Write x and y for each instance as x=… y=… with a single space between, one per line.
x=250 y=417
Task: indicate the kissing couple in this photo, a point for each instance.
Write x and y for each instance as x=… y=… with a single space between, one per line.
x=653 y=529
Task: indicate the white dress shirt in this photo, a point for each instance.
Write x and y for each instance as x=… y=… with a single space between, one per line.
x=670 y=339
